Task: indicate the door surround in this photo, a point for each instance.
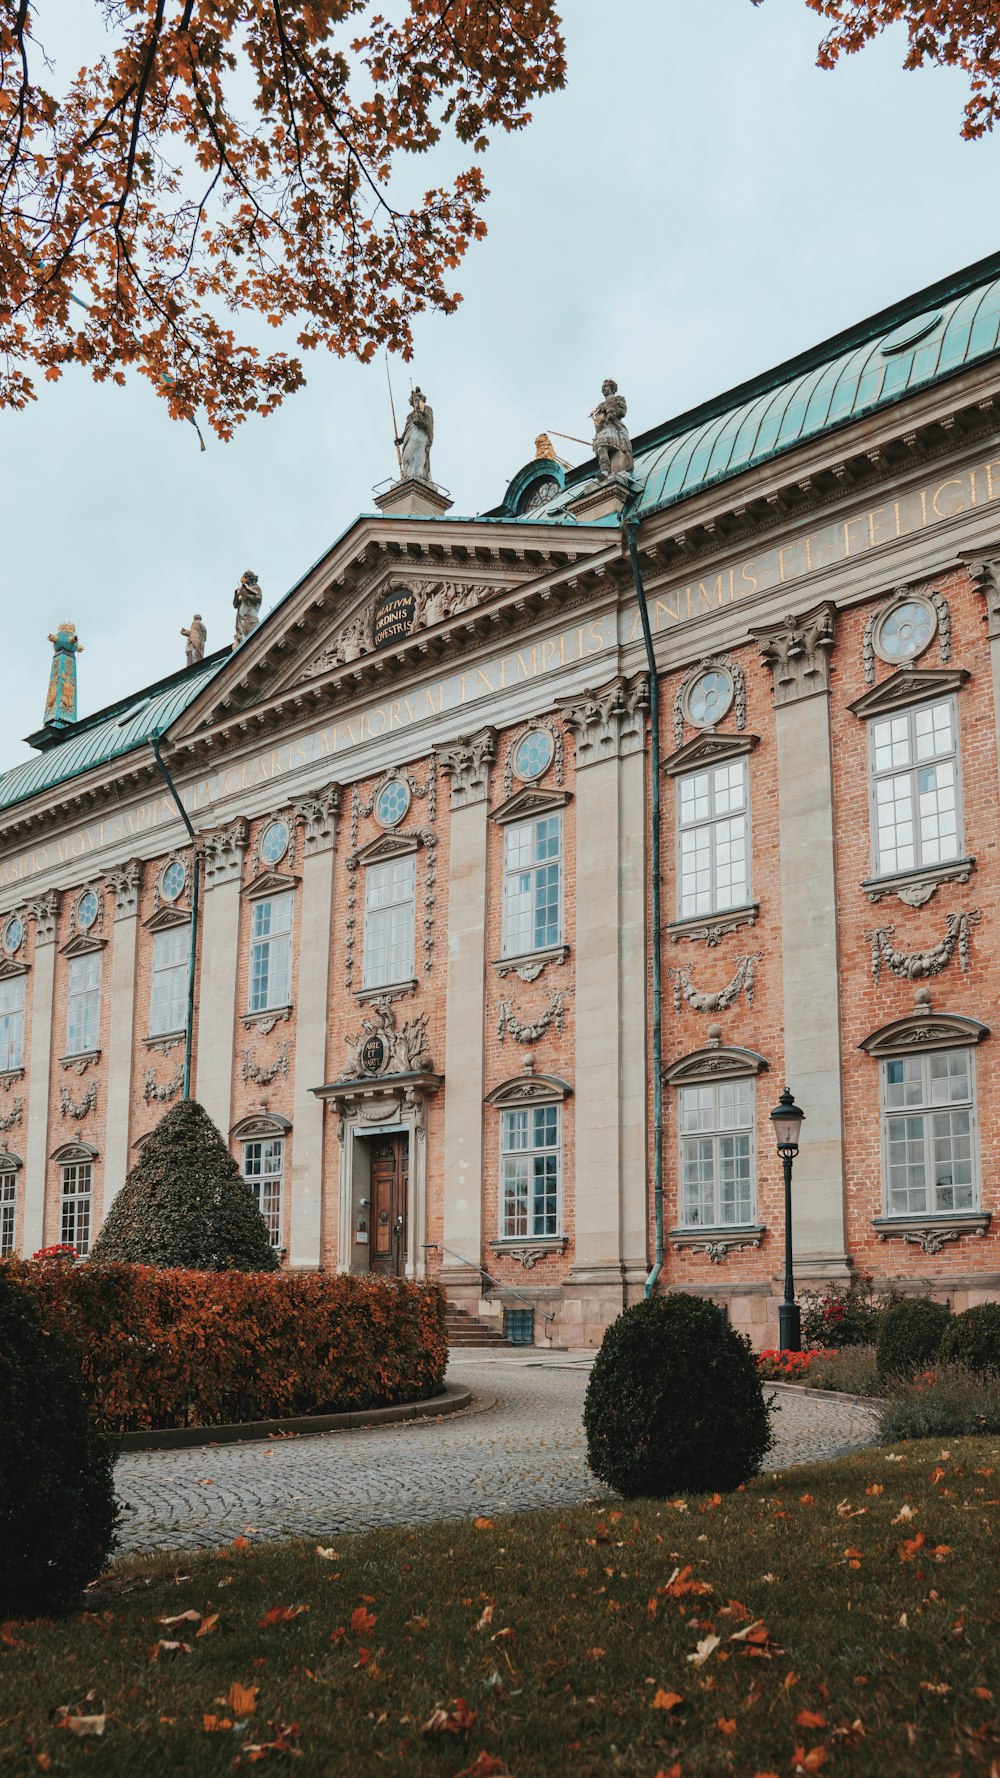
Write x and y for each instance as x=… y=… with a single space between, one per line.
x=393 y=1105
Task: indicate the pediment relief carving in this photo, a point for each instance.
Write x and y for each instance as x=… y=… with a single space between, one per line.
x=924 y=1030
x=10 y=967
x=529 y=1088
x=268 y=1123
x=714 y=1062
x=390 y=845
x=270 y=882
x=529 y=801
x=909 y=685
x=707 y=749
x=398 y=605
x=167 y=916
x=81 y=945
x=10 y=1162
x=68 y=1152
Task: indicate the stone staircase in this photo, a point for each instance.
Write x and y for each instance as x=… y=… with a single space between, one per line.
x=465 y=1330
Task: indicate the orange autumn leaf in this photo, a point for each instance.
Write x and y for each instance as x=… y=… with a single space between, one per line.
x=362 y=1620
x=485 y=1765
x=810 y=1719
x=281 y=1614
x=663 y=1700
x=482 y=1524
x=455 y=1719
x=241 y=1699
x=910 y=1546
x=726 y=1726
x=673 y=1772
x=809 y=1761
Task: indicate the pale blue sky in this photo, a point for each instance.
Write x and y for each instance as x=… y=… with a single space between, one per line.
x=700 y=203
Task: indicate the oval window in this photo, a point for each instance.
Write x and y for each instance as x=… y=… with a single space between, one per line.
x=392 y=802
x=173 y=880
x=533 y=753
x=87 y=909
x=709 y=697
x=274 y=841
x=905 y=630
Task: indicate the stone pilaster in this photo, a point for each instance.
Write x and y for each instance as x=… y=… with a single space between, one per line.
x=467 y=764
x=219 y=940
x=318 y=815
x=798 y=652
x=124 y=885
x=610 y=957
x=43 y=909
x=984 y=572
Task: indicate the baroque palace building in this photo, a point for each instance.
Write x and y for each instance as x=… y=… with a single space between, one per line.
x=421 y=790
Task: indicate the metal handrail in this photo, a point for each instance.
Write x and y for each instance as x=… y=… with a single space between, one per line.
x=438 y=1247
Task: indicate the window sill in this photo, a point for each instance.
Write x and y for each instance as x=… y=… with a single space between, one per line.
x=10 y=1075
x=712 y=927
x=164 y=1040
x=529 y=1249
x=529 y=964
x=388 y=991
x=718 y=1243
x=915 y=887
x=931 y=1233
x=80 y=1062
x=265 y=1020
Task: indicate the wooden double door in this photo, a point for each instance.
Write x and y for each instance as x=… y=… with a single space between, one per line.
x=390 y=1178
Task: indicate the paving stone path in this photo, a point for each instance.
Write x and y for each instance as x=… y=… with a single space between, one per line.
x=527 y=1450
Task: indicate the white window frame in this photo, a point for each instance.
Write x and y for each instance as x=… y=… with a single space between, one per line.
x=270 y=975
x=532 y=1151
x=716 y=1134
x=8 y=1212
x=910 y=772
x=693 y=908
x=76 y=1204
x=927 y=1111
x=513 y=894
x=83 y=1004
x=168 y=997
x=11 y=1023
x=263 y=1168
x=390 y=924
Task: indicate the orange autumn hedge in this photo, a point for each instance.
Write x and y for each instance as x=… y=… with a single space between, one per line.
x=167 y=1348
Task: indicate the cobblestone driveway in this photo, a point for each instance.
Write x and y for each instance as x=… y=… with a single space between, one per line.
x=526 y=1451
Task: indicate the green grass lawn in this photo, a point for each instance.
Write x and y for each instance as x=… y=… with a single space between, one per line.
x=840 y=1619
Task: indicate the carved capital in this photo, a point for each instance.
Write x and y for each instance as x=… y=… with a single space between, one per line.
x=797 y=650
x=318 y=815
x=43 y=910
x=608 y=723
x=124 y=886
x=984 y=573
x=224 y=851
x=467 y=764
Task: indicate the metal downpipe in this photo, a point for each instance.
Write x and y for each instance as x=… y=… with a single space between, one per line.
x=195 y=904
x=630 y=527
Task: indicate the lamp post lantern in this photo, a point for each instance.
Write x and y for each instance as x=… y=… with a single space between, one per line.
x=787 y=1120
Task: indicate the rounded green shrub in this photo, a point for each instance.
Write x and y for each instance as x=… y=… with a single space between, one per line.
x=185 y=1204
x=910 y=1335
x=675 y=1401
x=57 y=1502
x=973 y=1339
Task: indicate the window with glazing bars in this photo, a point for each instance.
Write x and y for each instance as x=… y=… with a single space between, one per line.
x=389 y=918
x=77 y=1183
x=171 y=951
x=271 y=953
x=716 y=1130
x=8 y=1212
x=263 y=1170
x=530 y=1164
x=11 y=1023
x=713 y=854
x=83 y=1020
x=914 y=767
x=928 y=1117
x=532 y=885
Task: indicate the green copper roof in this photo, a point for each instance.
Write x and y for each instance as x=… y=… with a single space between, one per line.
x=117 y=730
x=921 y=341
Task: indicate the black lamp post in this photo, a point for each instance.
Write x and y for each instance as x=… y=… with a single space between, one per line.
x=787 y=1120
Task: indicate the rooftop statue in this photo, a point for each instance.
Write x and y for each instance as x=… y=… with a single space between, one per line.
x=415 y=443
x=60 y=704
x=247 y=602
x=197 y=636
x=612 y=445
x=544 y=450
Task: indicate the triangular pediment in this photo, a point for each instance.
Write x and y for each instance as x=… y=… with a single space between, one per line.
x=530 y=801
x=81 y=945
x=907 y=686
x=390 y=845
x=167 y=916
x=707 y=749
x=9 y=967
x=270 y=882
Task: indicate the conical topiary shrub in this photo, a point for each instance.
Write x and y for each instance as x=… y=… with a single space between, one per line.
x=186 y=1204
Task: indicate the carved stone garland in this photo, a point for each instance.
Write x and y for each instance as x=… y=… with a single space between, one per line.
x=552 y=1016
x=719 y=664
x=742 y=982
x=558 y=755
x=429 y=841
x=78 y=1108
x=251 y=1069
x=167 y=1090
x=941 y=607
x=915 y=965
x=14 y=1115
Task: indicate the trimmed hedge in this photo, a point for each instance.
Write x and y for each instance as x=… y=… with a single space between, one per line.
x=57 y=1498
x=972 y=1339
x=910 y=1335
x=170 y=1348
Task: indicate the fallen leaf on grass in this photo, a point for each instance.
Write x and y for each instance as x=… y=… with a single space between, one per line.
x=853 y=1555
x=482 y=1524
x=418 y=1623
x=241 y=1699
x=281 y=1614
x=703 y=1650
x=905 y=1512
x=665 y=1700
x=486 y=1616
x=937 y=1475
x=875 y=1488
x=183 y=1617
x=207 y=1625
x=810 y=1719
x=726 y=1726
x=909 y=1547
x=456 y=1719
x=66 y=1718
x=284 y=1735
x=167 y=1648
x=680 y=1583
x=940 y=1691
x=485 y=1765
x=362 y=1621
x=327 y=1555
x=210 y=1724
x=810 y=1760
